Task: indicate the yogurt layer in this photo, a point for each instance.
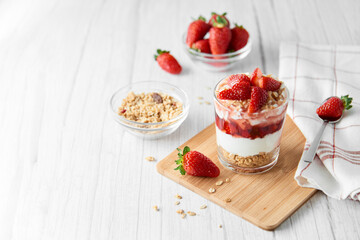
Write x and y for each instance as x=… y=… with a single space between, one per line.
x=245 y=147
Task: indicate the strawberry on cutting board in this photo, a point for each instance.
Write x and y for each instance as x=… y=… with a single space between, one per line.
x=167 y=62
x=196 y=31
x=239 y=38
x=217 y=19
x=219 y=39
x=195 y=164
x=202 y=46
x=334 y=107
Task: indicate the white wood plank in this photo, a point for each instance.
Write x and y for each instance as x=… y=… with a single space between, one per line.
x=68 y=171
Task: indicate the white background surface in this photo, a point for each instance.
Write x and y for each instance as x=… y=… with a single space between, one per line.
x=67 y=171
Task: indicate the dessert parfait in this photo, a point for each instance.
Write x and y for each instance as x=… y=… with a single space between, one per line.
x=250 y=111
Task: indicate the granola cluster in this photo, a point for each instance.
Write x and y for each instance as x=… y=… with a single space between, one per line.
x=249 y=163
x=149 y=107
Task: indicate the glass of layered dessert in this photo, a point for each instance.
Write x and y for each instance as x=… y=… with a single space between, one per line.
x=250 y=111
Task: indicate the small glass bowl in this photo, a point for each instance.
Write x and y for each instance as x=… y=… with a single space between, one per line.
x=216 y=63
x=150 y=130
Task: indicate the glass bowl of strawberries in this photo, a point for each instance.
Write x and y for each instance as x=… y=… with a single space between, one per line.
x=214 y=45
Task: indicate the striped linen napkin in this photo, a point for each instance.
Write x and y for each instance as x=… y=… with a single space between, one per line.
x=313 y=73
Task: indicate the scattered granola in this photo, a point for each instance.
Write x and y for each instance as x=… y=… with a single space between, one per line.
x=207 y=102
x=178 y=196
x=150 y=158
x=177 y=203
x=227 y=180
x=219 y=183
x=183 y=215
x=220 y=226
x=155 y=207
x=203 y=206
x=212 y=190
x=180 y=211
x=149 y=107
x=200 y=98
x=191 y=213
x=228 y=200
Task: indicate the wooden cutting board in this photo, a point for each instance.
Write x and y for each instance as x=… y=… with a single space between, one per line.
x=265 y=200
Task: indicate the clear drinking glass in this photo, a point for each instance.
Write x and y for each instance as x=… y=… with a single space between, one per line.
x=249 y=143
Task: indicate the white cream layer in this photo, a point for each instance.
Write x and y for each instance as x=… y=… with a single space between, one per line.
x=245 y=147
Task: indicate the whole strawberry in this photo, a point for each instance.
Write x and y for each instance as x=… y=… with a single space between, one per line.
x=196 y=31
x=219 y=39
x=195 y=164
x=167 y=62
x=217 y=19
x=202 y=46
x=239 y=38
x=258 y=99
x=333 y=108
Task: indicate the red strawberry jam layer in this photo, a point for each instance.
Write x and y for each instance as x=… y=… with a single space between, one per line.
x=241 y=127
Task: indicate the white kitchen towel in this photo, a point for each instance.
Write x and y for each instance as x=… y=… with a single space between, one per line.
x=312 y=73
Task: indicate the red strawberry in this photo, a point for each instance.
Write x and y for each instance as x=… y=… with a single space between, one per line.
x=167 y=62
x=202 y=46
x=196 y=164
x=255 y=77
x=236 y=78
x=217 y=19
x=219 y=39
x=242 y=90
x=228 y=94
x=269 y=84
x=258 y=99
x=333 y=108
x=239 y=37
x=196 y=31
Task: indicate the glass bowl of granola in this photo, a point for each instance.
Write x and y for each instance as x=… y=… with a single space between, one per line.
x=150 y=109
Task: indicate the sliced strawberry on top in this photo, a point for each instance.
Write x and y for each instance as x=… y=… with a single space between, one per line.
x=196 y=31
x=333 y=108
x=228 y=94
x=255 y=77
x=195 y=164
x=269 y=84
x=242 y=90
x=236 y=78
x=258 y=99
x=202 y=46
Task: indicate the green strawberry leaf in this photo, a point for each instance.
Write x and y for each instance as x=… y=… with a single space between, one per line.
x=180 y=160
x=346 y=101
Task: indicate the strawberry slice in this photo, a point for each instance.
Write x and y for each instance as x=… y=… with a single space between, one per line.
x=195 y=164
x=228 y=94
x=242 y=90
x=258 y=99
x=236 y=78
x=255 y=77
x=334 y=107
x=269 y=84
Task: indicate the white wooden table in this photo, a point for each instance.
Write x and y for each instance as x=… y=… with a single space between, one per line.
x=68 y=171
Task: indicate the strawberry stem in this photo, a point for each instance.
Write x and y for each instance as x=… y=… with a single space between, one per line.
x=180 y=160
x=159 y=52
x=346 y=101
